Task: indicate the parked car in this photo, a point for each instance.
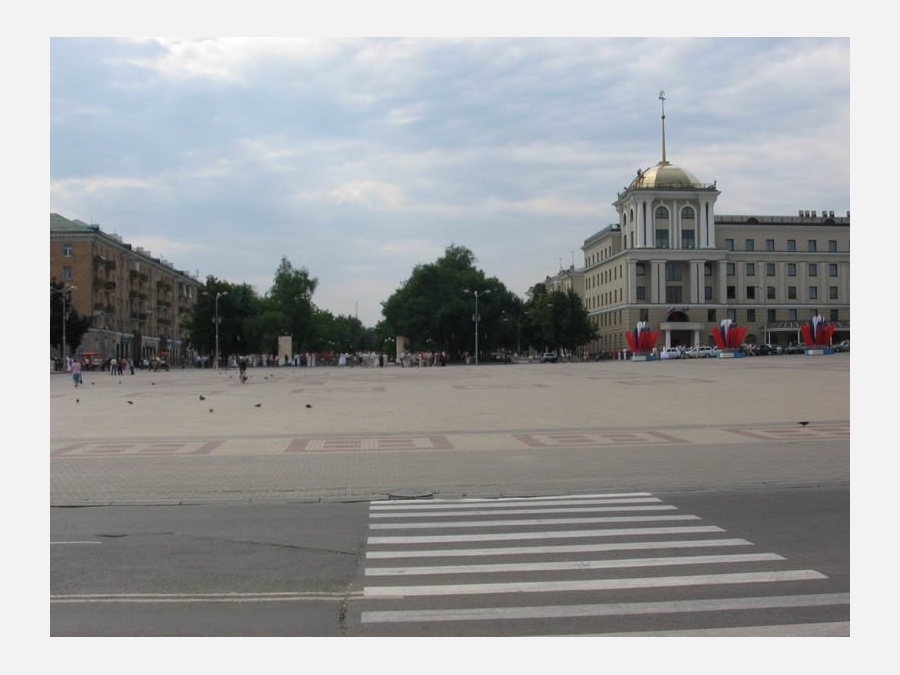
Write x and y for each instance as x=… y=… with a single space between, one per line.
x=549 y=357
x=843 y=346
x=795 y=349
x=761 y=350
x=701 y=352
x=670 y=353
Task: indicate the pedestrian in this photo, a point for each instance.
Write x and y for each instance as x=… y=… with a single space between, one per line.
x=76 y=372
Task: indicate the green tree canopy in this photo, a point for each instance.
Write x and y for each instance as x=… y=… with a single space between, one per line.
x=435 y=308
x=557 y=320
x=75 y=325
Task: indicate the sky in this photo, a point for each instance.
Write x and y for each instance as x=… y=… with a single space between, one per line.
x=360 y=158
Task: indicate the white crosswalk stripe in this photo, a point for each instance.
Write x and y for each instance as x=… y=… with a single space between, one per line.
x=517 y=573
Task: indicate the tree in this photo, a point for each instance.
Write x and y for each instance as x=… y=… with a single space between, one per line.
x=289 y=305
x=76 y=325
x=239 y=305
x=434 y=309
x=557 y=320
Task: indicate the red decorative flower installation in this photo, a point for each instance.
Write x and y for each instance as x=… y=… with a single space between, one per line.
x=728 y=335
x=817 y=332
x=641 y=340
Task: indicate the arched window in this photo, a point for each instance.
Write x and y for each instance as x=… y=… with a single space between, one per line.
x=661 y=213
x=687 y=213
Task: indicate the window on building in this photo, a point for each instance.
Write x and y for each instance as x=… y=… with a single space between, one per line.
x=813 y=269
x=770 y=244
x=687 y=213
x=832 y=292
x=792 y=245
x=673 y=294
x=751 y=316
x=730 y=292
x=661 y=213
x=834 y=315
x=750 y=269
x=729 y=269
x=708 y=292
x=832 y=270
x=748 y=245
x=792 y=292
x=792 y=269
x=673 y=272
x=711 y=315
x=792 y=315
x=832 y=245
x=770 y=292
x=731 y=315
x=811 y=245
x=707 y=270
x=67 y=273
x=644 y=314
x=687 y=239
x=67 y=250
x=751 y=292
x=729 y=244
x=640 y=269
x=770 y=269
x=770 y=318
x=641 y=292
x=662 y=238
x=813 y=292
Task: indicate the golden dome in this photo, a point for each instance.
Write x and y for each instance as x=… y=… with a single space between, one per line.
x=665 y=175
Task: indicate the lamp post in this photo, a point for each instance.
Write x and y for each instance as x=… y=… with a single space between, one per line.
x=62 y=292
x=476 y=294
x=219 y=294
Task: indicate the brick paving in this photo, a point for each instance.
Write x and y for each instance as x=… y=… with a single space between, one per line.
x=357 y=433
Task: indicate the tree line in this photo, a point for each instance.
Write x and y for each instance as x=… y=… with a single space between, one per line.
x=433 y=310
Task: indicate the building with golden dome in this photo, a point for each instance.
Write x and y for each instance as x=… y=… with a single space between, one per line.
x=672 y=262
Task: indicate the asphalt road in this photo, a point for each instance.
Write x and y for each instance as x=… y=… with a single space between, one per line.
x=286 y=569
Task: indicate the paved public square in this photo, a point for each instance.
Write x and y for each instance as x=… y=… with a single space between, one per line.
x=300 y=433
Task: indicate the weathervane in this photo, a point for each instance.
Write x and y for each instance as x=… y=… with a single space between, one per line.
x=662 y=99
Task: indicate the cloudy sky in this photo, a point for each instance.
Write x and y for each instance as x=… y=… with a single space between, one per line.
x=361 y=158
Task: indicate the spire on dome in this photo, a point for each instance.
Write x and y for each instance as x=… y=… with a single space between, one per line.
x=662 y=99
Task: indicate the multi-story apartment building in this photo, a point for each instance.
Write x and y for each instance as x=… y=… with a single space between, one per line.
x=672 y=262
x=140 y=305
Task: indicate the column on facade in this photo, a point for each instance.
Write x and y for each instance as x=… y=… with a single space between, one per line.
x=657 y=281
x=722 y=292
x=639 y=224
x=630 y=282
x=697 y=282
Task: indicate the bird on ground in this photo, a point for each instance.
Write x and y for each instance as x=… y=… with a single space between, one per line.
x=77 y=401
x=210 y=410
x=130 y=402
x=802 y=424
x=308 y=405
x=258 y=405
x=202 y=397
x=153 y=383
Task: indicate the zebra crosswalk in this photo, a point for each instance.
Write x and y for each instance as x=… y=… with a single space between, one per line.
x=613 y=564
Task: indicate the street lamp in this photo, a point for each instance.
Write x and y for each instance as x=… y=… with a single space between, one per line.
x=476 y=294
x=62 y=292
x=219 y=294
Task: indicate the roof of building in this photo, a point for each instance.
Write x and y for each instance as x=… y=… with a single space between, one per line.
x=665 y=175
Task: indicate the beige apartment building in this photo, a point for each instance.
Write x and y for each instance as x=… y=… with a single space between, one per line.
x=140 y=305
